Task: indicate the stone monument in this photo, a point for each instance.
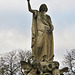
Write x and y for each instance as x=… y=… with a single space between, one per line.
x=42 y=45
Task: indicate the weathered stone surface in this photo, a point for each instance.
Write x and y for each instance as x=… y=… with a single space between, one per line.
x=42 y=33
x=65 y=69
x=42 y=46
x=42 y=68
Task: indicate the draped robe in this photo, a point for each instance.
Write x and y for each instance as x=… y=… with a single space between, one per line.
x=42 y=37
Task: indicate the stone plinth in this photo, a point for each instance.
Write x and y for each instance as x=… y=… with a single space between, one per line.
x=42 y=68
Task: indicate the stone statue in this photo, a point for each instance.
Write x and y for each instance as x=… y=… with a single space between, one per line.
x=42 y=33
x=42 y=46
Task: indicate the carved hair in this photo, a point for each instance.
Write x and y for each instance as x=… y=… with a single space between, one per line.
x=43 y=7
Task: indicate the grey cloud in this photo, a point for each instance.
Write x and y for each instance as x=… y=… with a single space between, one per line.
x=12 y=39
x=54 y=5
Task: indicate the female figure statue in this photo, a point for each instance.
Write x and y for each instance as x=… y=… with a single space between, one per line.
x=42 y=34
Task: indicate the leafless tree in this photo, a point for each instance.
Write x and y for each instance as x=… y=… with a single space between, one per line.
x=23 y=55
x=69 y=61
x=2 y=65
x=10 y=62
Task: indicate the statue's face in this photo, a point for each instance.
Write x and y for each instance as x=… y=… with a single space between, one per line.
x=43 y=8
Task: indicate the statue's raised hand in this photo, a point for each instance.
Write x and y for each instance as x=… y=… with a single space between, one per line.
x=28 y=0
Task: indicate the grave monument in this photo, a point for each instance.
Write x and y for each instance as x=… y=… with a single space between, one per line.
x=42 y=45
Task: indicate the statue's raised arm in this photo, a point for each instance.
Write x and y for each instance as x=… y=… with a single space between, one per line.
x=29 y=7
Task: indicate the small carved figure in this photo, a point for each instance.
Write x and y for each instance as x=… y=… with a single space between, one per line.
x=42 y=68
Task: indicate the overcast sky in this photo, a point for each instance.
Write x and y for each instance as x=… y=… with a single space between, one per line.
x=16 y=22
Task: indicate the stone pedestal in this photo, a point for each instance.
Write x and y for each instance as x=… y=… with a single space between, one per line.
x=42 y=68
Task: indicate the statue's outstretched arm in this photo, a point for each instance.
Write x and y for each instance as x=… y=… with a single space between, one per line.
x=29 y=7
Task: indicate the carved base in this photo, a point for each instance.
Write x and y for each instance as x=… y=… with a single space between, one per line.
x=42 y=68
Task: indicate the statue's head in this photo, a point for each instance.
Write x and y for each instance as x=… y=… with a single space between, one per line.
x=43 y=7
